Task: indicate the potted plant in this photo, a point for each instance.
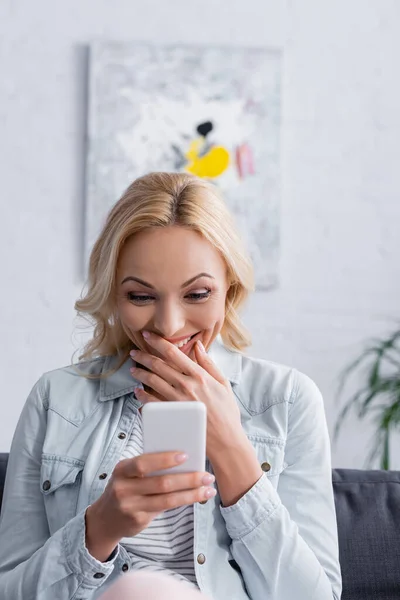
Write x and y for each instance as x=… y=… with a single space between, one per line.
x=379 y=396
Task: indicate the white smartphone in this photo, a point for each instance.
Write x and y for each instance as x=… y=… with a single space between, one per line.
x=180 y=426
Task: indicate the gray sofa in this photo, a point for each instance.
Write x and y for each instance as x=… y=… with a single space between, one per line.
x=368 y=514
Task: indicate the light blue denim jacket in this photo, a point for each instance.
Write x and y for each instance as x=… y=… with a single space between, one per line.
x=279 y=542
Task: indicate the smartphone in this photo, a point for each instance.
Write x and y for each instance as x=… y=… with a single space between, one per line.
x=180 y=426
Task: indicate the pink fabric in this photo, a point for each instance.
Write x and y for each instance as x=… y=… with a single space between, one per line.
x=150 y=586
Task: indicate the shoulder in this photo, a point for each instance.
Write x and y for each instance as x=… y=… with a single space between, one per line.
x=264 y=383
x=82 y=372
x=283 y=404
x=77 y=383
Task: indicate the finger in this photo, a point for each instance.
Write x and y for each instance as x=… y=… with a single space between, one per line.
x=158 y=366
x=155 y=382
x=144 y=396
x=161 y=502
x=174 y=482
x=141 y=466
x=171 y=354
x=206 y=363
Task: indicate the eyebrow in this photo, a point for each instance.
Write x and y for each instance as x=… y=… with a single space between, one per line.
x=188 y=282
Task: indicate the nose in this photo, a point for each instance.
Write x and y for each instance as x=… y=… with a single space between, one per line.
x=169 y=318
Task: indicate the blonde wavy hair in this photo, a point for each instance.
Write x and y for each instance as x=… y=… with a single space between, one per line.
x=162 y=200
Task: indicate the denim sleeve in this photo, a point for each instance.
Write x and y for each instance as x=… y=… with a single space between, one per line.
x=34 y=564
x=285 y=541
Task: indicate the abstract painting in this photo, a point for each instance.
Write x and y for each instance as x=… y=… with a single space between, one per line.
x=211 y=111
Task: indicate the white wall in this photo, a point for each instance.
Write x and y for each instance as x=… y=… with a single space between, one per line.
x=340 y=170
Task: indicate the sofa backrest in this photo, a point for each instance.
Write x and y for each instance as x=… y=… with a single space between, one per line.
x=368 y=516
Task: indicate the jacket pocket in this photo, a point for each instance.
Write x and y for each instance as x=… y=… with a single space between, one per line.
x=271 y=456
x=60 y=479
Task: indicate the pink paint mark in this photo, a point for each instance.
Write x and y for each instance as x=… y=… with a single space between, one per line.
x=244 y=161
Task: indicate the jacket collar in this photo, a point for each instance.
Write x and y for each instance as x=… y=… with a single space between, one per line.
x=121 y=381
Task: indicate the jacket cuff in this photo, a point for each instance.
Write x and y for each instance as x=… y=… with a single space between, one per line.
x=256 y=506
x=90 y=571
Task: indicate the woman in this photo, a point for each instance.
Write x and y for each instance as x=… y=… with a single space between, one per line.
x=167 y=277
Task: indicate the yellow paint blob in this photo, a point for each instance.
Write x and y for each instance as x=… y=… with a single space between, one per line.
x=211 y=164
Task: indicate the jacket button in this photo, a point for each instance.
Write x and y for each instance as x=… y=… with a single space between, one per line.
x=125 y=567
x=266 y=467
x=46 y=486
x=103 y=476
x=201 y=559
x=122 y=435
x=98 y=575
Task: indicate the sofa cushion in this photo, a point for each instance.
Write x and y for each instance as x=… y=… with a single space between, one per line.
x=368 y=514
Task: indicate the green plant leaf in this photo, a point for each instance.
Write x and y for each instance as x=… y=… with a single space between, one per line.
x=381 y=387
x=380 y=395
x=385 y=461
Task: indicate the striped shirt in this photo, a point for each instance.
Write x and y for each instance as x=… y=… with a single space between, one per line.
x=166 y=545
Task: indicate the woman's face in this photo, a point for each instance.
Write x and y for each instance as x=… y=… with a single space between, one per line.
x=171 y=281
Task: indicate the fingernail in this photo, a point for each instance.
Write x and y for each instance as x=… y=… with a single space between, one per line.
x=146 y=335
x=207 y=479
x=210 y=493
x=200 y=346
x=133 y=353
x=180 y=458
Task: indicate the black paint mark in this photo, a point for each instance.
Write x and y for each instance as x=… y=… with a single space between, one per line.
x=205 y=128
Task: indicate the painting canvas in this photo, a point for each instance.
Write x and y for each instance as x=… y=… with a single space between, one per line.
x=211 y=111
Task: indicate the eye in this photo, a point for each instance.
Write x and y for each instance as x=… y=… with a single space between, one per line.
x=139 y=298
x=196 y=296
